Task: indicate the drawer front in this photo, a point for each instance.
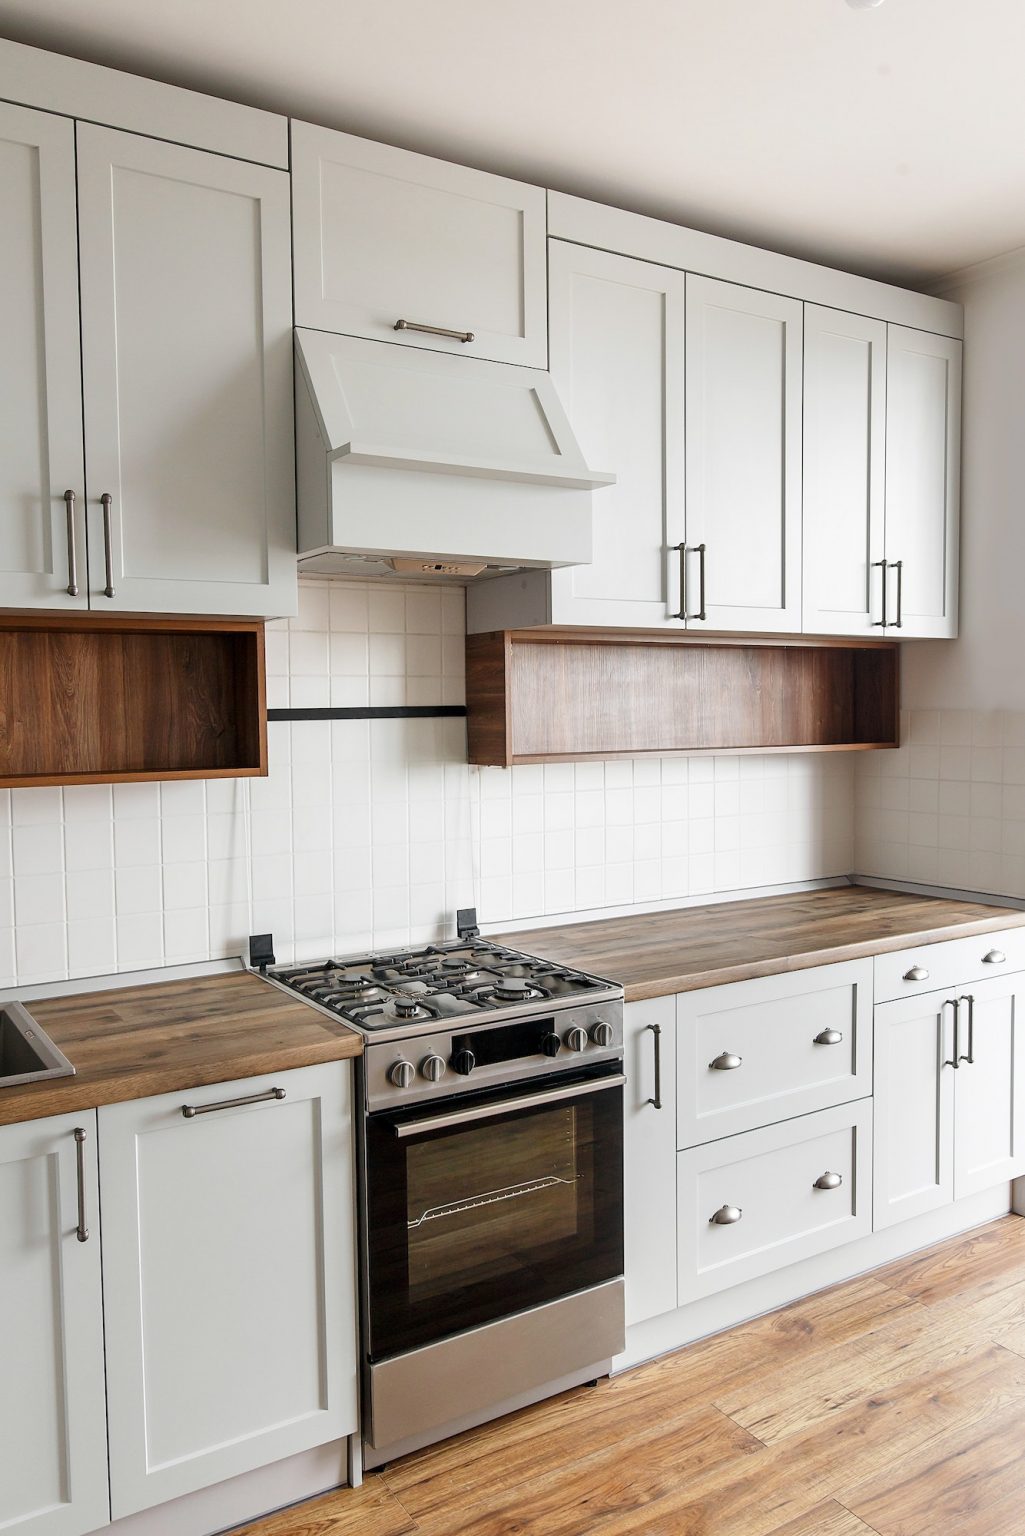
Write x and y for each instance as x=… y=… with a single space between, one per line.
x=950 y=963
x=756 y=1052
x=777 y=1197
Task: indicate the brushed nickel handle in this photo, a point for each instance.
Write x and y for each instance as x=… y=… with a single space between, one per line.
x=881 y=623
x=828 y=1037
x=82 y=1231
x=190 y=1111
x=701 y=614
x=828 y=1181
x=108 y=551
x=506 y=1106
x=955 y=1061
x=69 y=503
x=726 y=1062
x=682 y=551
x=898 y=566
x=916 y=973
x=970 y=1058
x=995 y=957
x=656 y=1030
x=432 y=330
x=725 y=1216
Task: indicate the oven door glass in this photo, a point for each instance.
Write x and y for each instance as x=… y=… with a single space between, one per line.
x=472 y=1219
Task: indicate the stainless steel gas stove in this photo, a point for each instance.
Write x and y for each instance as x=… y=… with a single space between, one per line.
x=491 y=1181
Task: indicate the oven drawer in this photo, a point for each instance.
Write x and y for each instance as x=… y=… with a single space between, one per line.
x=752 y=1204
x=754 y=1052
x=950 y=963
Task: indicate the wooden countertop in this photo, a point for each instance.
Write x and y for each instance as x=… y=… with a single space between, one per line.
x=132 y=1042
x=659 y=953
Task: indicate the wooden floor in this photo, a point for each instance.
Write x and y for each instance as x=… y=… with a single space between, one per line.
x=893 y=1404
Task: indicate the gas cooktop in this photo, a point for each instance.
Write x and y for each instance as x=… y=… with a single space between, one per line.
x=442 y=981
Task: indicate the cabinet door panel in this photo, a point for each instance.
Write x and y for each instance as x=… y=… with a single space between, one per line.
x=743 y=447
x=228 y=1263
x=53 y=1444
x=40 y=364
x=188 y=377
x=382 y=234
x=844 y=469
x=617 y=360
x=914 y=1107
x=989 y=1096
x=923 y=468
x=649 y=1150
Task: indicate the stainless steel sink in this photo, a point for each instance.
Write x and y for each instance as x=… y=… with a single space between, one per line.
x=27 y=1054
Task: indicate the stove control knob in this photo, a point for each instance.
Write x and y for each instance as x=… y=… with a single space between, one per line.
x=402 y=1073
x=433 y=1068
x=464 y=1061
x=551 y=1045
x=576 y=1039
x=603 y=1035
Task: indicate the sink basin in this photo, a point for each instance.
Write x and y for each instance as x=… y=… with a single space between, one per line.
x=27 y=1054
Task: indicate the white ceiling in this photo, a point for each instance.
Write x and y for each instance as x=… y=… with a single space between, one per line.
x=890 y=141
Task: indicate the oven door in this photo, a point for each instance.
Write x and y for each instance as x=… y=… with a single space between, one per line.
x=492 y=1203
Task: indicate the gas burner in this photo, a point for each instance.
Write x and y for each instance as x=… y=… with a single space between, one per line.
x=514 y=989
x=406 y=1007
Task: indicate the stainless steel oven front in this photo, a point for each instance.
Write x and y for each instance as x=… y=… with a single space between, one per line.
x=493 y=1249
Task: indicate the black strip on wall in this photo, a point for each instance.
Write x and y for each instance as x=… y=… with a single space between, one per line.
x=374 y=712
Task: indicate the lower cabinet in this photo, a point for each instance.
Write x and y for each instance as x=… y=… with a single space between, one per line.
x=228 y=1264
x=53 y=1441
x=949 y=1096
x=753 y=1203
x=649 y=1155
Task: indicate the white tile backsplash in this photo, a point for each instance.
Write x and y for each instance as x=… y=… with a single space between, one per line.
x=373 y=832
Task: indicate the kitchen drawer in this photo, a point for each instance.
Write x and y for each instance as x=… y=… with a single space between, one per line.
x=950 y=963
x=766 y=1181
x=785 y=1046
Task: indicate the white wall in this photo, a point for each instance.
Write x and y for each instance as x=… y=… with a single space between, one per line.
x=374 y=832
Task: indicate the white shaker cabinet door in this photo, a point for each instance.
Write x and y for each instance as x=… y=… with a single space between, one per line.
x=42 y=533
x=914 y=1107
x=923 y=470
x=187 y=367
x=844 y=471
x=53 y=1443
x=383 y=235
x=617 y=360
x=228 y=1265
x=743 y=447
x=649 y=1134
x=989 y=1136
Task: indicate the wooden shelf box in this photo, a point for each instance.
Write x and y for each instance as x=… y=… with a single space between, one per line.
x=537 y=695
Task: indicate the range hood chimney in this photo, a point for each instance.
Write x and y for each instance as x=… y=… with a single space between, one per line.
x=429 y=464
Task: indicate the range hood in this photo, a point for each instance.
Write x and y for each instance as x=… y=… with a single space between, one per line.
x=431 y=464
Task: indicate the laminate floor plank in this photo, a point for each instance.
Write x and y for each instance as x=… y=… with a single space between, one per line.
x=982 y=1261
x=368 y=1511
x=829 y=1519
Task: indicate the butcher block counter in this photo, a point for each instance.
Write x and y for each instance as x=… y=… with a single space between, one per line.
x=660 y=953
x=133 y=1042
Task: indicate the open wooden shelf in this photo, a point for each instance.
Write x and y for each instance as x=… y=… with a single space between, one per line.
x=541 y=695
x=91 y=698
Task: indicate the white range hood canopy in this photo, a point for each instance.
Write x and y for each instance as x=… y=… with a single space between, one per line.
x=434 y=458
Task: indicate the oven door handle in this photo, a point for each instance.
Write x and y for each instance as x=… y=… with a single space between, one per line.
x=490 y=1111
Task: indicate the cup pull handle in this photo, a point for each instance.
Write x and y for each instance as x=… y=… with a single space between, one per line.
x=916 y=973
x=828 y=1037
x=725 y=1216
x=726 y=1062
x=828 y=1181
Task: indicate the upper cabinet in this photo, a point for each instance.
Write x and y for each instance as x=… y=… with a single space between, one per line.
x=742 y=563
x=187 y=368
x=42 y=553
x=399 y=247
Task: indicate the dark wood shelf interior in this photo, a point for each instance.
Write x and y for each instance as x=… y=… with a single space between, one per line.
x=537 y=695
x=93 y=699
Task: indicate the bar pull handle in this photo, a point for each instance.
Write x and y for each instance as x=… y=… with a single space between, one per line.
x=828 y=1037
x=701 y=613
x=898 y=566
x=656 y=1030
x=882 y=623
x=190 y=1111
x=432 y=330
x=828 y=1181
x=725 y=1216
x=726 y=1062
x=955 y=1061
x=970 y=1058
x=82 y=1231
x=682 y=551
x=108 y=548
x=69 y=503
